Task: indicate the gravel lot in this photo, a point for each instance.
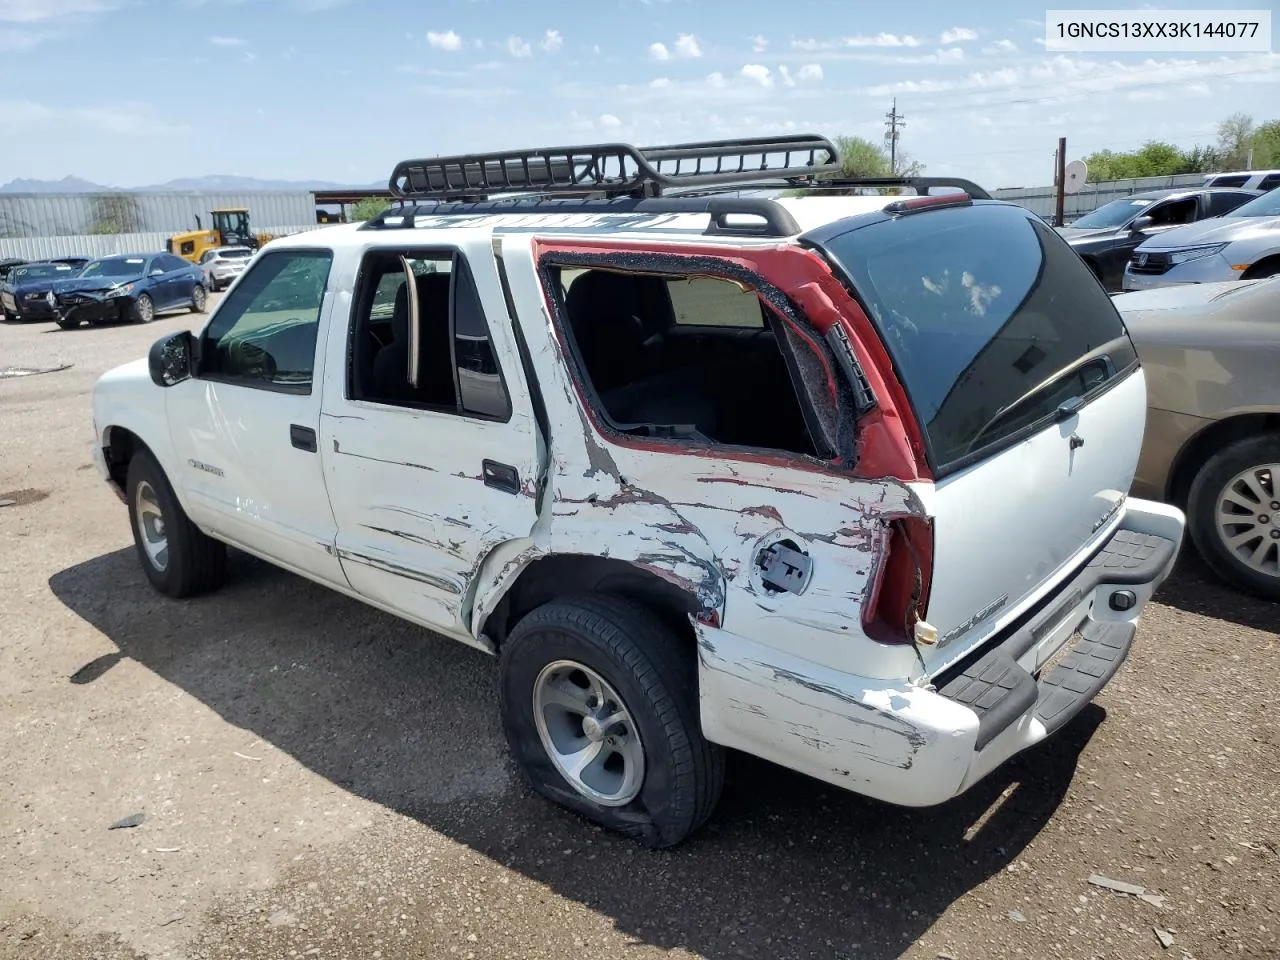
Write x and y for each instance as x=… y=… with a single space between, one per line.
x=321 y=780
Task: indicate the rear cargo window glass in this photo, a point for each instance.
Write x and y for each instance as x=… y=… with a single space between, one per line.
x=991 y=319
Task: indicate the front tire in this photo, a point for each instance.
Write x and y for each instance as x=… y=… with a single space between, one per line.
x=66 y=324
x=599 y=704
x=1233 y=514
x=178 y=559
x=144 y=309
x=199 y=299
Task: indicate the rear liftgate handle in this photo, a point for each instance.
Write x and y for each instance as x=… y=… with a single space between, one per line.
x=304 y=438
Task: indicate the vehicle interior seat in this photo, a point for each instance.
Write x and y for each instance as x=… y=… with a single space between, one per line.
x=389 y=377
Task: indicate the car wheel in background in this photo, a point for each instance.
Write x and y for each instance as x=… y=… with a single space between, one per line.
x=178 y=559
x=599 y=703
x=1260 y=271
x=198 y=299
x=1233 y=514
x=144 y=311
x=66 y=324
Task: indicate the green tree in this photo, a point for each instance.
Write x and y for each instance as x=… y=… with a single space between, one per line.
x=368 y=208
x=1234 y=136
x=1266 y=145
x=859 y=158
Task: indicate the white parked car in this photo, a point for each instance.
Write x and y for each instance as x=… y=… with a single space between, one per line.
x=222 y=265
x=834 y=480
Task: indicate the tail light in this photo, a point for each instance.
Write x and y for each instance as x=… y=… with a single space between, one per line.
x=900 y=591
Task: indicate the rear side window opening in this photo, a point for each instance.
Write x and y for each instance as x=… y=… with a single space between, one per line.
x=694 y=358
x=991 y=319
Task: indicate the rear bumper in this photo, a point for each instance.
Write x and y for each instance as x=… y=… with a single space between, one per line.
x=918 y=745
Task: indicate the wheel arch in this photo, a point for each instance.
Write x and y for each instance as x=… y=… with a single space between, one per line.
x=1214 y=437
x=1263 y=267
x=543 y=579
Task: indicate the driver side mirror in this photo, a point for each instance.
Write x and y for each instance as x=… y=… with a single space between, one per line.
x=1140 y=224
x=172 y=359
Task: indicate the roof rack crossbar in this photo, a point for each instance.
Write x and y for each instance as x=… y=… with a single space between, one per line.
x=615 y=169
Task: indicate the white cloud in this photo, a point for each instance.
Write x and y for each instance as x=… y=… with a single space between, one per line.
x=227 y=41
x=954 y=55
x=595 y=48
x=716 y=79
x=758 y=44
x=757 y=72
x=448 y=40
x=519 y=47
x=957 y=35
x=31 y=11
x=660 y=82
x=687 y=46
x=659 y=51
x=1000 y=46
x=810 y=71
x=609 y=121
x=23 y=111
x=551 y=41
x=787 y=78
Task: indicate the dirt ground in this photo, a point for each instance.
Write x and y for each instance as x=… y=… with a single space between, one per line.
x=317 y=779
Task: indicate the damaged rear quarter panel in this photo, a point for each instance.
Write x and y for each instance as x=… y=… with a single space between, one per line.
x=699 y=516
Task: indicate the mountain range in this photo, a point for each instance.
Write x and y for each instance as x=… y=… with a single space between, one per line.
x=210 y=184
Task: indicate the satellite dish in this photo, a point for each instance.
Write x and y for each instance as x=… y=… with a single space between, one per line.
x=1073 y=176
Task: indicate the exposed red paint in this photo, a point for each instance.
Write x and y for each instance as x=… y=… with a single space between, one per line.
x=890 y=441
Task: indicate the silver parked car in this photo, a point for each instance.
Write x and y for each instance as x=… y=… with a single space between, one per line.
x=222 y=265
x=1243 y=244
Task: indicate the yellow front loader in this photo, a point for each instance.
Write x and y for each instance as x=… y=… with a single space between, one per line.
x=230 y=228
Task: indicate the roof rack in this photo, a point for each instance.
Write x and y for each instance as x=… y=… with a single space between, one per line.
x=615 y=169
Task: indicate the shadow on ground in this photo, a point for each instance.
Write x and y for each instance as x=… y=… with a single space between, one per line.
x=787 y=866
x=1194 y=588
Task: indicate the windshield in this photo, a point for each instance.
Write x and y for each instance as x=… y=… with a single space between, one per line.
x=43 y=271
x=115 y=267
x=1267 y=205
x=1114 y=214
x=991 y=319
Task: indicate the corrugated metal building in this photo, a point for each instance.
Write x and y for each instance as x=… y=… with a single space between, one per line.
x=1043 y=200
x=72 y=214
x=104 y=245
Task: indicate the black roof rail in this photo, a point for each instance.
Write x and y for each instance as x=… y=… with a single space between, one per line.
x=920 y=184
x=615 y=169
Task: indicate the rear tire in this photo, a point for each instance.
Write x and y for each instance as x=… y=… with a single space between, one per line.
x=1234 y=497
x=178 y=559
x=648 y=676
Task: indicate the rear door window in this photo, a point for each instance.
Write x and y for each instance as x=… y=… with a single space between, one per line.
x=991 y=319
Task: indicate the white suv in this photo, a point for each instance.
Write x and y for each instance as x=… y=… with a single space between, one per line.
x=222 y=265
x=835 y=480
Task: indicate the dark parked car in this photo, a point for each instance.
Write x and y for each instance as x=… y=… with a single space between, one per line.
x=1106 y=237
x=27 y=293
x=131 y=287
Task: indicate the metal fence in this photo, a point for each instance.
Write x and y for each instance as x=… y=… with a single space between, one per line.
x=1043 y=200
x=104 y=245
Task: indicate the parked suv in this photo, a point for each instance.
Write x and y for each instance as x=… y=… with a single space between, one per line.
x=222 y=265
x=835 y=480
x=1106 y=237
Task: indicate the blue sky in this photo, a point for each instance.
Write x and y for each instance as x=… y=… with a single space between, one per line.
x=131 y=92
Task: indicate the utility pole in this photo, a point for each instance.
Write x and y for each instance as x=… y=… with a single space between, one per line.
x=1060 y=178
x=893 y=120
